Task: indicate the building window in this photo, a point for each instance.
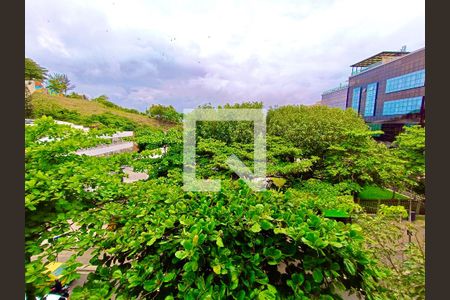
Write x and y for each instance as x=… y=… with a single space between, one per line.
x=371 y=97
x=407 y=81
x=356 y=97
x=403 y=106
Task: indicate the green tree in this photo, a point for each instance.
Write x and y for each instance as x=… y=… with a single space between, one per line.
x=229 y=131
x=400 y=262
x=33 y=71
x=75 y=95
x=359 y=158
x=162 y=112
x=59 y=83
x=410 y=147
x=313 y=128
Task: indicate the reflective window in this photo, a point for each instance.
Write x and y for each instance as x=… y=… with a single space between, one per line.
x=403 y=106
x=371 y=96
x=356 y=97
x=407 y=81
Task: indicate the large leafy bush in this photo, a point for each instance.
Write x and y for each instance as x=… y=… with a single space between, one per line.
x=233 y=244
x=313 y=128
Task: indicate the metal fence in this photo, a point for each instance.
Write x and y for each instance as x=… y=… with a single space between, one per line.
x=371 y=206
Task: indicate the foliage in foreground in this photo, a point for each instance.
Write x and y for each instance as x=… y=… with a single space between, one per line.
x=153 y=239
x=401 y=261
x=410 y=146
x=233 y=244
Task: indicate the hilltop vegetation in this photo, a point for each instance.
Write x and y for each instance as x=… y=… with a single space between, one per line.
x=92 y=113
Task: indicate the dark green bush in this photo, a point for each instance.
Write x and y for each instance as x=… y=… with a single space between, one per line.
x=112 y=121
x=235 y=244
x=60 y=114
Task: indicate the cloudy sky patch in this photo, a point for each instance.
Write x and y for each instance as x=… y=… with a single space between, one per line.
x=187 y=53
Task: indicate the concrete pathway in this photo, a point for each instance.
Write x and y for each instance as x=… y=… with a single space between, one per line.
x=104 y=150
x=133 y=176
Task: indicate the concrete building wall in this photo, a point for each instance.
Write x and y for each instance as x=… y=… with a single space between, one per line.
x=336 y=98
x=30 y=85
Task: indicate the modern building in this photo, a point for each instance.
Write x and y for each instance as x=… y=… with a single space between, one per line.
x=388 y=90
x=336 y=97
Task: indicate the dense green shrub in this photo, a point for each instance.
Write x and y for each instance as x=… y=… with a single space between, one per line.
x=400 y=261
x=104 y=100
x=75 y=95
x=171 y=244
x=112 y=121
x=229 y=131
x=410 y=146
x=164 y=113
x=61 y=114
x=313 y=128
x=56 y=184
x=152 y=239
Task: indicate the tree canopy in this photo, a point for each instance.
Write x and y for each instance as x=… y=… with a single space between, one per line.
x=165 y=113
x=409 y=146
x=59 y=83
x=33 y=71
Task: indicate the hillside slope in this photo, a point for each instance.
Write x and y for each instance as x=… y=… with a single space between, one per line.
x=89 y=113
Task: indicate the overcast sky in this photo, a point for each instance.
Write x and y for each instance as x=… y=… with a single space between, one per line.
x=186 y=54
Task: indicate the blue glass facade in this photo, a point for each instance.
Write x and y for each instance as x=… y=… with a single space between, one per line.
x=407 y=81
x=356 y=98
x=403 y=106
x=371 y=96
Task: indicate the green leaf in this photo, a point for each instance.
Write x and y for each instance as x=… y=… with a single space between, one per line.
x=117 y=274
x=267 y=295
x=298 y=278
x=255 y=228
x=317 y=275
x=150 y=285
x=188 y=245
x=349 y=266
x=219 y=241
x=265 y=225
x=181 y=254
x=217 y=269
x=335 y=266
x=151 y=241
x=169 y=277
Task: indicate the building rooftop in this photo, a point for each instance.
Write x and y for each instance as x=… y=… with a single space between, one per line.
x=335 y=89
x=378 y=58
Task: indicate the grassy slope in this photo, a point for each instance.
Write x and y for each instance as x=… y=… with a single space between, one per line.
x=86 y=108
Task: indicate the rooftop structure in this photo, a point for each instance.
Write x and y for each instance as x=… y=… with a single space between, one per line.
x=376 y=60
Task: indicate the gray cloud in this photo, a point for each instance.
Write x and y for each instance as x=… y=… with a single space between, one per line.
x=139 y=55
